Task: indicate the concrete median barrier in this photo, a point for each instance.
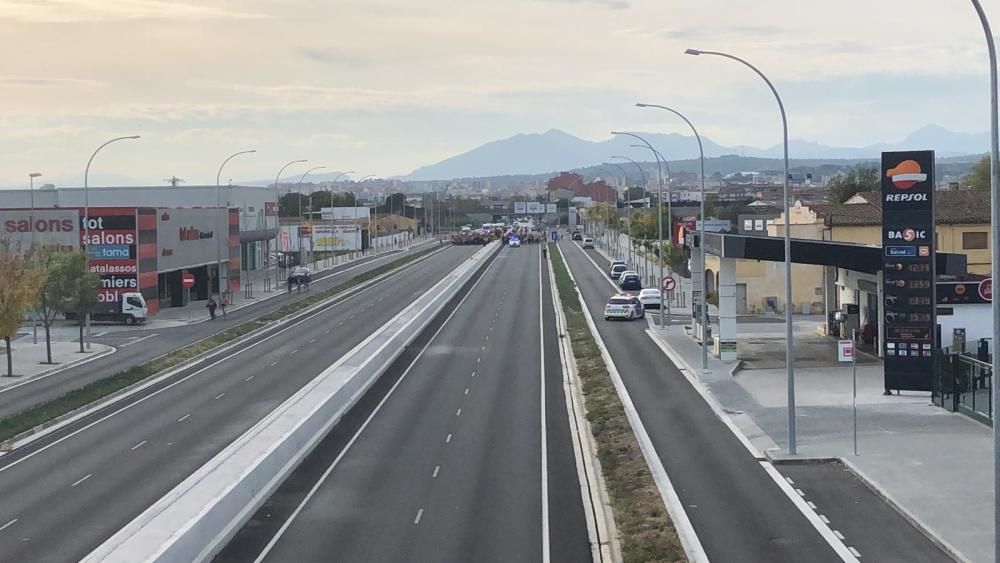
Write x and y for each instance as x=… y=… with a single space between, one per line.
x=194 y=521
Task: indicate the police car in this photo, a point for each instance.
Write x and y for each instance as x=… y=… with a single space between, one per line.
x=623 y=306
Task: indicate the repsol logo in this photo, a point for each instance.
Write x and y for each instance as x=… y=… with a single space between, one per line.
x=905 y=197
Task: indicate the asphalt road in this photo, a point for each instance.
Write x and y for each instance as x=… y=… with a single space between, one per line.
x=450 y=467
x=66 y=494
x=737 y=510
x=17 y=397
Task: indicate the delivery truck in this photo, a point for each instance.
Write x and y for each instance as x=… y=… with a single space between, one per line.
x=129 y=309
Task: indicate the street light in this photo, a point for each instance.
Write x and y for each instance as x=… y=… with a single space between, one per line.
x=31 y=219
x=659 y=207
x=334 y=181
x=302 y=249
x=789 y=352
x=86 y=210
x=701 y=234
x=618 y=242
x=223 y=232
x=995 y=270
x=628 y=202
x=277 y=218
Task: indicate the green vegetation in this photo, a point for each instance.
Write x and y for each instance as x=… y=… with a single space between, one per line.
x=860 y=178
x=645 y=529
x=19 y=281
x=979 y=177
x=39 y=414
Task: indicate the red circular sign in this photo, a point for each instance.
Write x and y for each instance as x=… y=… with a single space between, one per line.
x=187 y=280
x=986 y=289
x=669 y=284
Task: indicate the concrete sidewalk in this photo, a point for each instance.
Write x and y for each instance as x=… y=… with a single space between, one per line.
x=29 y=358
x=934 y=466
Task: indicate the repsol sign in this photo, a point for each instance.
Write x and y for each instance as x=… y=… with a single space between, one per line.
x=905 y=197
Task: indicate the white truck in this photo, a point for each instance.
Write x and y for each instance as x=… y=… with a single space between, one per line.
x=130 y=309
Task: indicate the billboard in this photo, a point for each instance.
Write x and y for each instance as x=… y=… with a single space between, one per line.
x=190 y=237
x=345 y=213
x=520 y=207
x=336 y=237
x=908 y=278
x=535 y=208
x=112 y=250
x=60 y=227
x=551 y=208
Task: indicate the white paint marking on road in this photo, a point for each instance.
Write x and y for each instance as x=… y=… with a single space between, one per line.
x=546 y=550
x=274 y=364
x=8 y=525
x=473 y=373
x=183 y=418
x=801 y=494
x=219 y=396
x=293 y=352
x=789 y=479
x=354 y=315
x=312 y=492
x=419 y=514
x=447 y=439
x=313 y=341
x=437 y=468
x=811 y=504
x=479 y=360
x=137 y=340
x=466 y=390
x=855 y=552
x=458 y=412
x=327 y=331
x=483 y=348
x=824 y=518
x=488 y=336
x=248 y=378
x=139 y=445
x=838 y=534
x=82 y=479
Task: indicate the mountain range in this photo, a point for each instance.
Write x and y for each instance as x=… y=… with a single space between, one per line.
x=557 y=150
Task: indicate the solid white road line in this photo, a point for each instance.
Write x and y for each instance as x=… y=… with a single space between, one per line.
x=81 y=480
x=139 y=445
x=138 y=340
x=183 y=418
x=437 y=468
x=8 y=525
x=326 y=474
x=447 y=439
x=419 y=514
x=546 y=548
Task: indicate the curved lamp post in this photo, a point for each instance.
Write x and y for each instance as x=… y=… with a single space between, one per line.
x=628 y=202
x=224 y=231
x=303 y=255
x=789 y=349
x=277 y=218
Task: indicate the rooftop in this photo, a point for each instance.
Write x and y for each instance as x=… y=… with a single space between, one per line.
x=951 y=208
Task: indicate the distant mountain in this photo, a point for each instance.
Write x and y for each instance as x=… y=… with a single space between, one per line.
x=557 y=150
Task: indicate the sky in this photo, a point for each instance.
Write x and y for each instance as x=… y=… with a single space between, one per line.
x=384 y=86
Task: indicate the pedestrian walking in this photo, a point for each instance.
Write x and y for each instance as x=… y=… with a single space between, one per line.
x=223 y=302
x=211 y=307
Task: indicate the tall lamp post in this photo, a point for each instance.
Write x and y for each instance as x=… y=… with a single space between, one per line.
x=701 y=234
x=618 y=242
x=31 y=219
x=628 y=202
x=224 y=231
x=86 y=210
x=303 y=256
x=335 y=179
x=277 y=217
x=789 y=351
x=995 y=270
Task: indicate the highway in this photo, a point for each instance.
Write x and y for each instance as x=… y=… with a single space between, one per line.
x=20 y=396
x=66 y=493
x=737 y=510
x=462 y=453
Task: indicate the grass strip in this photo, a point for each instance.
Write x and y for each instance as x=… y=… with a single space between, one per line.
x=646 y=532
x=44 y=412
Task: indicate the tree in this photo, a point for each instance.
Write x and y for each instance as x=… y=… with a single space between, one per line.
x=18 y=288
x=293 y=204
x=77 y=286
x=395 y=202
x=860 y=178
x=53 y=288
x=979 y=177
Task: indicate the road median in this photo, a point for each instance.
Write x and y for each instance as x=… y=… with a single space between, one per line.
x=646 y=532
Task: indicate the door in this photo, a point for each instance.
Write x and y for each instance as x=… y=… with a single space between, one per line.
x=741 y=299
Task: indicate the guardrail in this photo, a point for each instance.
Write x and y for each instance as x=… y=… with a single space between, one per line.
x=195 y=520
x=964 y=384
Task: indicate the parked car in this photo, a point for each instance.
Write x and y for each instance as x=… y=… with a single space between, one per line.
x=617 y=268
x=625 y=307
x=588 y=242
x=650 y=298
x=631 y=282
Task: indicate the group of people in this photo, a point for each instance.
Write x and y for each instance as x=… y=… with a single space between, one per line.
x=212 y=305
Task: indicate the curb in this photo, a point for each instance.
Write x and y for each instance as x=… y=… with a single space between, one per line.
x=61 y=368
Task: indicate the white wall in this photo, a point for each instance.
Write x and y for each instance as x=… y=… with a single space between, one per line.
x=975 y=318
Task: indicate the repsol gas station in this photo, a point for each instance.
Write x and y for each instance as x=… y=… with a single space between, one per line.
x=897 y=281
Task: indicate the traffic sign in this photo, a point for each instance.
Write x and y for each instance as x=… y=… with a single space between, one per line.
x=986 y=289
x=669 y=283
x=845 y=350
x=187 y=280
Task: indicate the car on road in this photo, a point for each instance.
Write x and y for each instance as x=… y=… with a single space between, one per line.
x=514 y=242
x=588 y=242
x=577 y=236
x=623 y=306
x=630 y=282
x=650 y=298
x=617 y=269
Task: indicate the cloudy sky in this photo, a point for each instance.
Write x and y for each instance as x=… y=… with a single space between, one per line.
x=384 y=86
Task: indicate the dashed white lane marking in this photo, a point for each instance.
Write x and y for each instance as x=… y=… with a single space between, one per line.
x=811 y=504
x=419 y=514
x=274 y=364
x=855 y=552
x=483 y=348
x=327 y=331
x=478 y=360
x=354 y=315
x=458 y=412
x=81 y=479
x=313 y=341
x=466 y=390
x=801 y=494
x=789 y=479
x=219 y=396
x=183 y=418
x=448 y=439
x=139 y=445
x=248 y=378
x=838 y=534
x=487 y=338
x=437 y=468
x=473 y=373
x=824 y=518
x=8 y=525
x=293 y=351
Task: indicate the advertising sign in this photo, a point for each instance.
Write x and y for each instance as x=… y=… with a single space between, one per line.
x=189 y=237
x=336 y=238
x=111 y=244
x=551 y=208
x=345 y=213
x=909 y=277
x=986 y=290
x=60 y=227
x=535 y=208
x=845 y=350
x=520 y=207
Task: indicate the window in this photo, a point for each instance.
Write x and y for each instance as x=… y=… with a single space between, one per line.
x=134 y=301
x=748 y=224
x=974 y=241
